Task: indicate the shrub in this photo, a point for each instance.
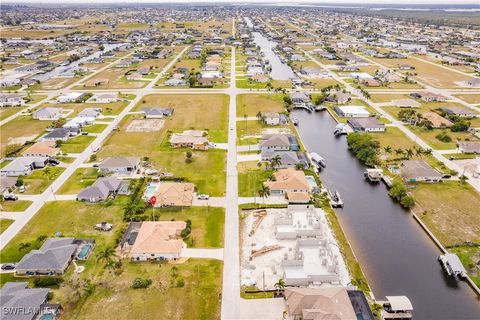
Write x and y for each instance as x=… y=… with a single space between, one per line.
x=460 y=125
x=364 y=147
x=407 y=202
x=180 y=283
x=444 y=137
x=47 y=281
x=140 y=283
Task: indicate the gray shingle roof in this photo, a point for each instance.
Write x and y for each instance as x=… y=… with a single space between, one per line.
x=18 y=297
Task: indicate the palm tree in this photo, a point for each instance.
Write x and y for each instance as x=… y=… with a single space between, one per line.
x=259 y=116
x=399 y=151
x=387 y=149
x=409 y=153
x=24 y=246
x=276 y=161
x=106 y=255
x=279 y=285
x=264 y=192
x=110 y=265
x=46 y=172
x=41 y=238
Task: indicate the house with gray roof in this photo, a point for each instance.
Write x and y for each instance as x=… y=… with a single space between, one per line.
x=419 y=171
x=156 y=112
x=23 y=166
x=300 y=98
x=287 y=158
x=19 y=302
x=54 y=257
x=90 y=113
x=122 y=165
x=11 y=100
x=61 y=134
x=47 y=113
x=279 y=142
x=369 y=124
x=100 y=190
x=469 y=147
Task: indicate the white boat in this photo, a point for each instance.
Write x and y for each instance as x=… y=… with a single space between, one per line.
x=295 y=121
x=320 y=108
x=335 y=199
x=452 y=265
x=317 y=160
x=340 y=129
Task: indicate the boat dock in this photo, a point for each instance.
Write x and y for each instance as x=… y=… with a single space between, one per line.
x=373 y=175
x=335 y=199
x=452 y=265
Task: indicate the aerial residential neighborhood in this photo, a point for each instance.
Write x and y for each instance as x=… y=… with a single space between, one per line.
x=240 y=160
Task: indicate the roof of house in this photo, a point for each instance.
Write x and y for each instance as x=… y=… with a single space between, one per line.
x=90 y=112
x=42 y=147
x=156 y=111
x=101 y=189
x=275 y=140
x=175 y=193
x=58 y=133
x=460 y=110
x=436 y=119
x=320 y=303
x=54 y=254
x=469 y=146
x=20 y=163
x=17 y=295
x=159 y=237
x=366 y=123
x=417 y=168
x=195 y=137
x=399 y=303
x=288 y=179
x=119 y=162
x=46 y=112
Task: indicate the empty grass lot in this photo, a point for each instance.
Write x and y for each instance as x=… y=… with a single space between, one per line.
x=21 y=129
x=202 y=112
x=251 y=177
x=116 y=80
x=95 y=128
x=80 y=179
x=251 y=104
x=108 y=109
x=199 y=298
x=207 y=223
x=433 y=75
x=469 y=98
x=7 y=112
x=39 y=180
x=76 y=144
x=450 y=211
x=429 y=136
x=15 y=206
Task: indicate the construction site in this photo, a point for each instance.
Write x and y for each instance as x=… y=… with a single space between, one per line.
x=294 y=244
x=145 y=125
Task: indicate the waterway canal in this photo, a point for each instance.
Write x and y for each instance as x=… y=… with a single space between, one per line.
x=397 y=256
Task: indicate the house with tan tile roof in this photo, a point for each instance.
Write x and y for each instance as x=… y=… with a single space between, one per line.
x=319 y=304
x=195 y=139
x=175 y=194
x=154 y=240
x=437 y=120
x=289 y=181
x=41 y=149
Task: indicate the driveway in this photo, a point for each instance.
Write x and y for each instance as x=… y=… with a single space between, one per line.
x=249 y=157
x=212 y=202
x=268 y=200
x=252 y=147
x=202 y=253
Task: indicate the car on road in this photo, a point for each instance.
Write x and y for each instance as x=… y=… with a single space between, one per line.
x=203 y=197
x=10 y=197
x=8 y=266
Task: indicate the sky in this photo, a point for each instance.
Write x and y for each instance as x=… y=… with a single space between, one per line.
x=406 y=2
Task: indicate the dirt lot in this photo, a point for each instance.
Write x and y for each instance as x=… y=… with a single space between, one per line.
x=145 y=125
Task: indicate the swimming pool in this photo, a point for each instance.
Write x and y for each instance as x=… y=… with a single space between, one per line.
x=47 y=316
x=149 y=191
x=83 y=254
x=311 y=181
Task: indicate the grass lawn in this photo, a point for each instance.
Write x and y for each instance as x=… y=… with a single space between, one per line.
x=429 y=136
x=4 y=224
x=8 y=111
x=207 y=224
x=76 y=144
x=251 y=104
x=199 y=298
x=116 y=80
x=319 y=83
x=246 y=84
x=72 y=219
x=469 y=98
x=80 y=179
x=195 y=111
x=39 y=180
x=108 y=109
x=95 y=128
x=21 y=129
x=251 y=177
x=450 y=210
x=207 y=171
x=469 y=255
x=36 y=99
x=380 y=98
x=15 y=206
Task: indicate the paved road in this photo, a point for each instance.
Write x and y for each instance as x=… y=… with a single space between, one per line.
x=231 y=267
x=21 y=221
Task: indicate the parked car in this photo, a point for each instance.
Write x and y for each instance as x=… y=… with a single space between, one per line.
x=10 y=197
x=84 y=133
x=8 y=266
x=203 y=197
x=53 y=162
x=21 y=189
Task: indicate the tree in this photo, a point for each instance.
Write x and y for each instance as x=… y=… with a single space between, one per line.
x=279 y=285
x=398 y=190
x=276 y=161
x=188 y=157
x=264 y=192
x=41 y=238
x=259 y=116
x=387 y=149
x=463 y=179
x=364 y=147
x=407 y=201
x=46 y=172
x=24 y=246
x=107 y=255
x=12 y=150
x=19 y=182
x=409 y=153
x=300 y=166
